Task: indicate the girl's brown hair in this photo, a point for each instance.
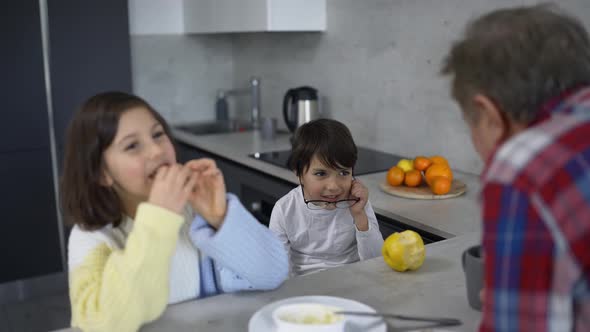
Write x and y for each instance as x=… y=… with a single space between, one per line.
x=327 y=139
x=84 y=200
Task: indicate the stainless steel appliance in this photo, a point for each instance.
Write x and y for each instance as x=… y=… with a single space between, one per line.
x=300 y=105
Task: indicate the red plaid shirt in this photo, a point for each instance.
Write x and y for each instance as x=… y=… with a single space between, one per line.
x=536 y=216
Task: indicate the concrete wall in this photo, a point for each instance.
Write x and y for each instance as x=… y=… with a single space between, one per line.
x=376 y=68
x=180 y=74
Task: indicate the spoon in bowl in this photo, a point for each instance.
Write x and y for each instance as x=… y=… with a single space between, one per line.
x=437 y=320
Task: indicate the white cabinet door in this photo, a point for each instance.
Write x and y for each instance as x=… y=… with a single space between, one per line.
x=223 y=16
x=156 y=17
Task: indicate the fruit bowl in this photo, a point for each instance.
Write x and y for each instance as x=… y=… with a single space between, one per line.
x=422 y=178
x=458 y=188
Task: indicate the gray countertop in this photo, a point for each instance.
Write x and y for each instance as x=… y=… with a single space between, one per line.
x=436 y=289
x=446 y=218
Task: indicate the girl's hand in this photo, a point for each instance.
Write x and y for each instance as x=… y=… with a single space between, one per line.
x=172 y=187
x=208 y=195
x=358 y=190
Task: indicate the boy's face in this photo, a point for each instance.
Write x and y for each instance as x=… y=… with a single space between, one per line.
x=139 y=149
x=321 y=182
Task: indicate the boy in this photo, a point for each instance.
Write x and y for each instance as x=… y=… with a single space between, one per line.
x=327 y=221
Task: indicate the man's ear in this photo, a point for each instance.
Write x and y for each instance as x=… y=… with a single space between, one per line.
x=491 y=118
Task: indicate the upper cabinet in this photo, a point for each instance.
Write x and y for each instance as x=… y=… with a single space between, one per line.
x=148 y=17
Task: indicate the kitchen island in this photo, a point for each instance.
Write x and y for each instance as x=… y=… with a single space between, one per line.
x=444 y=218
x=436 y=289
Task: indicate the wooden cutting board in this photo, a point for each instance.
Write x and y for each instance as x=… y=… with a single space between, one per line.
x=423 y=192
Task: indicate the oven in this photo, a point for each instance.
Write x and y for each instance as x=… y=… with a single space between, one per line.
x=259 y=202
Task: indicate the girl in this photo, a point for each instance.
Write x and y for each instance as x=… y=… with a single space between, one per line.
x=326 y=221
x=133 y=248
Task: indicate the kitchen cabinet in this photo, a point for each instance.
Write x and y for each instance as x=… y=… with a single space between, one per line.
x=87 y=52
x=388 y=226
x=29 y=244
x=24 y=113
x=29 y=241
x=223 y=16
x=90 y=53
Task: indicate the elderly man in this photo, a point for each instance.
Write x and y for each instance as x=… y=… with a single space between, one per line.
x=522 y=79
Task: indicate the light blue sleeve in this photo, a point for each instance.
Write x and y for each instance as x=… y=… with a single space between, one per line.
x=246 y=255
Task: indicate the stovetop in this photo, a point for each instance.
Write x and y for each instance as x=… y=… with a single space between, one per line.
x=369 y=161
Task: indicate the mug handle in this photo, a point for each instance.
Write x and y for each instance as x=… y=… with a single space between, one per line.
x=464 y=257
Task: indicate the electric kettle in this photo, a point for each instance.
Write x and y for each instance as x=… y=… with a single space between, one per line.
x=300 y=105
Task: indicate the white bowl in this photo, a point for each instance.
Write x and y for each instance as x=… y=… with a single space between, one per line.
x=308 y=317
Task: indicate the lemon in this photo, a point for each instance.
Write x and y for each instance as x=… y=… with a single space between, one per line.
x=406 y=164
x=404 y=251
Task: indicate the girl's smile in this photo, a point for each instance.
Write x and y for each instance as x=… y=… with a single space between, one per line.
x=139 y=150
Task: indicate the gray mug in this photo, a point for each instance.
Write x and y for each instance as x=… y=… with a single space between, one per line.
x=473 y=267
x=269 y=128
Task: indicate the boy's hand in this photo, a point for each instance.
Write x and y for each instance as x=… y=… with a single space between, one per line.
x=358 y=190
x=172 y=187
x=208 y=195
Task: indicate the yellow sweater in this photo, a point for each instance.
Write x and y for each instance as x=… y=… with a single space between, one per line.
x=119 y=282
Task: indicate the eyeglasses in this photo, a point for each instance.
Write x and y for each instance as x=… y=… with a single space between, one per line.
x=318 y=204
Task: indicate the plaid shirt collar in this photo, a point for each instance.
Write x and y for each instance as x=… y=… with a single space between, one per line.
x=548 y=109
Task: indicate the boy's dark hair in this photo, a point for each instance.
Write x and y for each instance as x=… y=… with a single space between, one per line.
x=84 y=200
x=519 y=58
x=327 y=139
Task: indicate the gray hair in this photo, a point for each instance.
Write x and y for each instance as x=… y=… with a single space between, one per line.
x=519 y=58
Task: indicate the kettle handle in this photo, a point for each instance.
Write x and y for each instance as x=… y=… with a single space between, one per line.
x=286 y=103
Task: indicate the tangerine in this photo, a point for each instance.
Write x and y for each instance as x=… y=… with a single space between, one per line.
x=439 y=160
x=395 y=176
x=413 y=178
x=438 y=170
x=440 y=185
x=421 y=163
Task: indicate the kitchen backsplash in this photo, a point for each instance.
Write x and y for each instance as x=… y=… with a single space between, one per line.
x=376 y=69
x=180 y=74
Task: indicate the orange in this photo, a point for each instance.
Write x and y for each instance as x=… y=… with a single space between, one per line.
x=439 y=160
x=440 y=185
x=421 y=163
x=438 y=170
x=395 y=176
x=413 y=178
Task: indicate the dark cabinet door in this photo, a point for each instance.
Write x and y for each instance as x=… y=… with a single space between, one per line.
x=24 y=112
x=388 y=226
x=90 y=53
x=29 y=241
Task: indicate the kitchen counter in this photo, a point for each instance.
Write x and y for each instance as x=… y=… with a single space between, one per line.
x=445 y=218
x=436 y=289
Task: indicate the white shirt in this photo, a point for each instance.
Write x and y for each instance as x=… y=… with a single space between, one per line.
x=319 y=239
